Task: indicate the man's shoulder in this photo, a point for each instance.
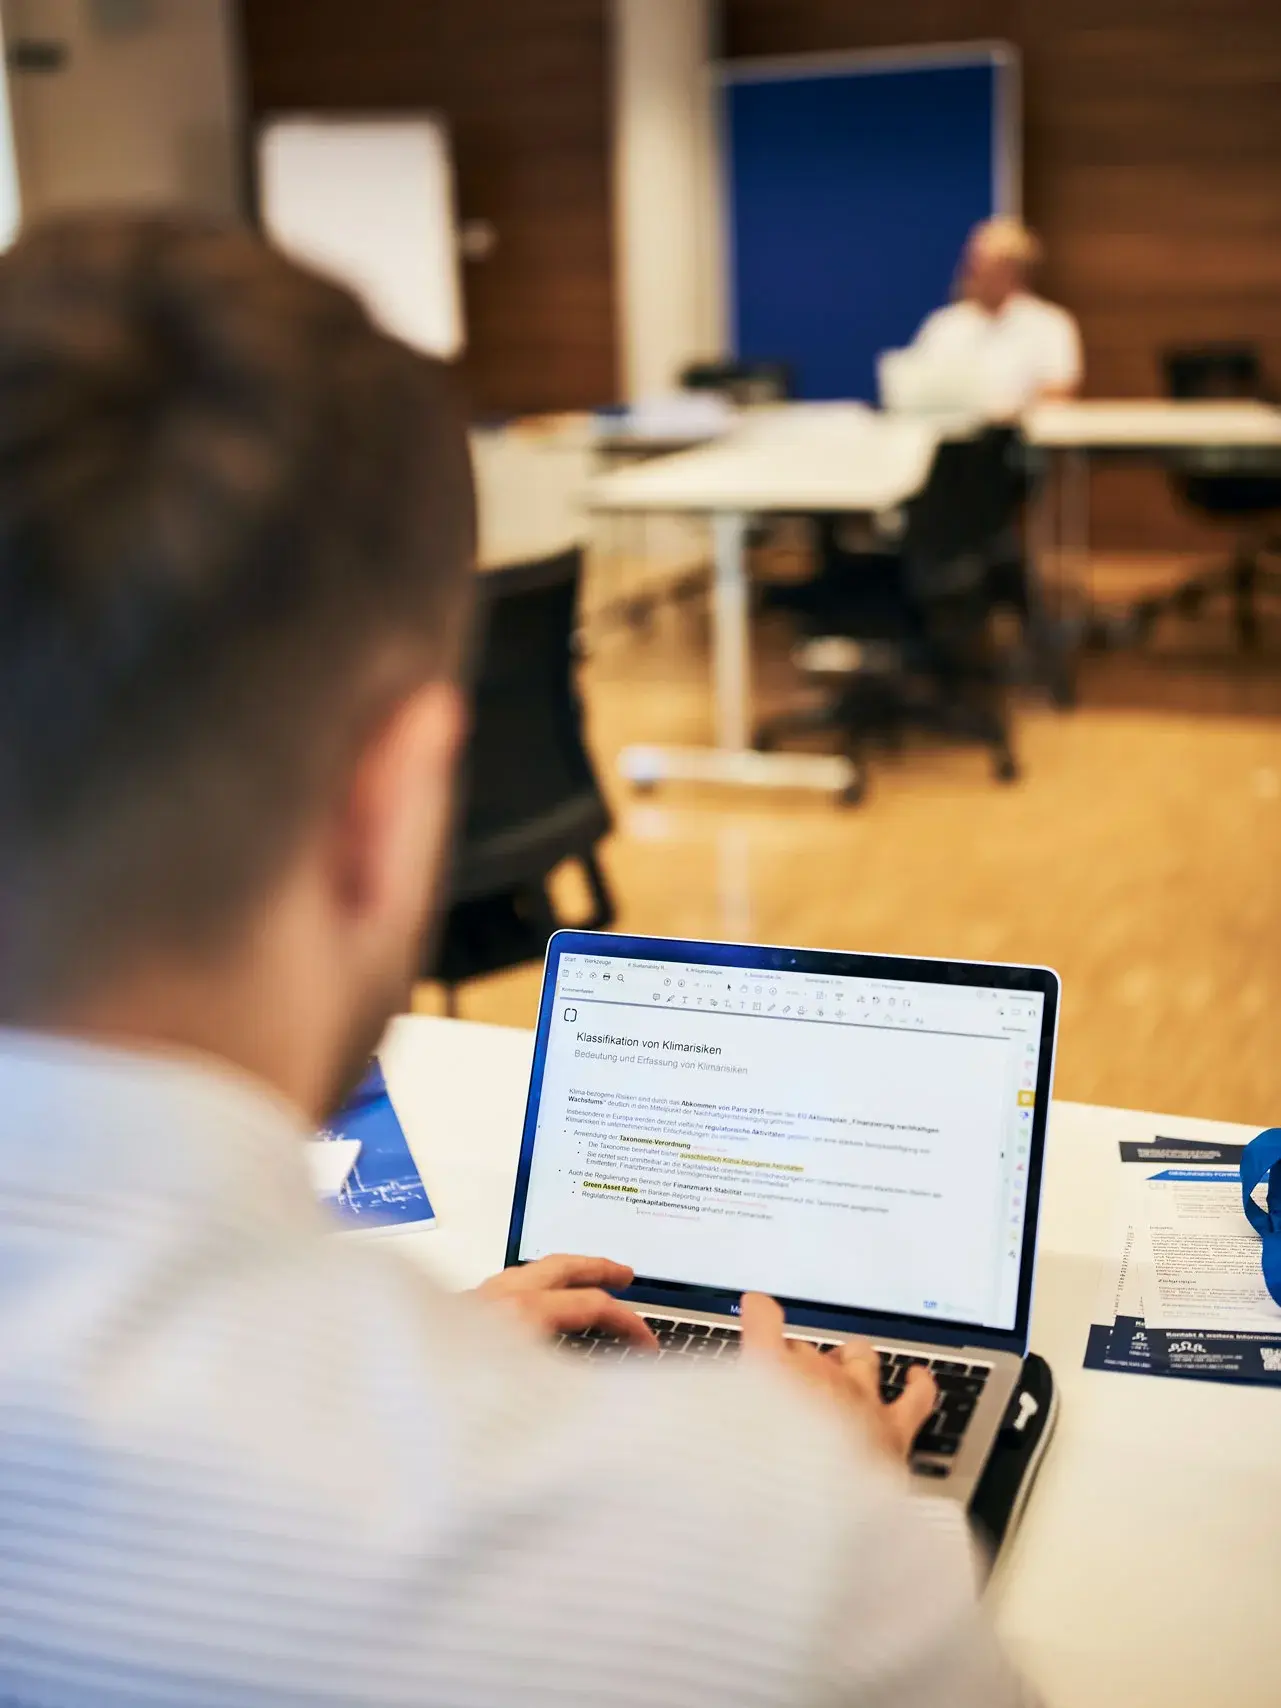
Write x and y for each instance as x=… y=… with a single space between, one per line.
x=395 y=1443
x=952 y=314
x=1041 y=312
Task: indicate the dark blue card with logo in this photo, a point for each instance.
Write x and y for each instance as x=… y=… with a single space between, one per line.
x=1128 y=1344
x=384 y=1189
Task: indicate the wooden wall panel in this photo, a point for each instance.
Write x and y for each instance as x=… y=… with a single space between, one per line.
x=1152 y=167
x=525 y=86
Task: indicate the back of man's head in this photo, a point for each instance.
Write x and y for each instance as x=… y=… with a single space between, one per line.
x=1000 y=257
x=1003 y=238
x=235 y=524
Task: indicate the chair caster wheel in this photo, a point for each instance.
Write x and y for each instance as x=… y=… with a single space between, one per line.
x=853 y=792
x=1006 y=768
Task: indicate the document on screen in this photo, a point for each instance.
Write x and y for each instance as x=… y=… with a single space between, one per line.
x=870 y=1165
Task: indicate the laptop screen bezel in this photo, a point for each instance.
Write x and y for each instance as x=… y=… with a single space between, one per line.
x=675 y=1295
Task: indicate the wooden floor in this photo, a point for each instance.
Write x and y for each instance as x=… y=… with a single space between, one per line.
x=1140 y=856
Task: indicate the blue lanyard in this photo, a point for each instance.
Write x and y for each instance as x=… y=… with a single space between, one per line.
x=1261 y=1160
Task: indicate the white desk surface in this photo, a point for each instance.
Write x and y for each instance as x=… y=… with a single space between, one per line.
x=1146 y=1570
x=658 y=425
x=658 y=429
x=529 y=496
x=805 y=457
x=801 y=457
x=1153 y=424
x=652 y=441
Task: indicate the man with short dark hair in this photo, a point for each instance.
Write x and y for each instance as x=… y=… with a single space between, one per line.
x=242 y=1461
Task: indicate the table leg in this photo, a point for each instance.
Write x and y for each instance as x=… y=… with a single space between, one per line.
x=1053 y=629
x=733 y=760
x=1076 y=523
x=1040 y=524
x=732 y=635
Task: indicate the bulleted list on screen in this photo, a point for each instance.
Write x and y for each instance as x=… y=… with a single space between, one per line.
x=857 y=1164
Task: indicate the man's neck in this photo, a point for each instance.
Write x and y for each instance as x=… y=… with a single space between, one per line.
x=994 y=311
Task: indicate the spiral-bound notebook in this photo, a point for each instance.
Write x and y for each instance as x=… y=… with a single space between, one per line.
x=372 y=1182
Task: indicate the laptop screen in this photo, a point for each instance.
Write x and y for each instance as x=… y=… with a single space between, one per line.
x=863 y=1142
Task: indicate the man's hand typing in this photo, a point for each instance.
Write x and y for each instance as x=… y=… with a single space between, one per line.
x=566 y=1295
x=851 y=1376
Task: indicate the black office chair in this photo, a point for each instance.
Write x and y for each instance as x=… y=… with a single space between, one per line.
x=741 y=382
x=905 y=635
x=529 y=798
x=1238 y=495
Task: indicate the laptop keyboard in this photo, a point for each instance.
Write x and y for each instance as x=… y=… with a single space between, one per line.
x=960 y=1383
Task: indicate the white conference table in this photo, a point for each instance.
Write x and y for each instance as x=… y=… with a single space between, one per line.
x=1146 y=1569
x=793 y=458
x=1209 y=437
x=799 y=458
x=529 y=493
x=1152 y=426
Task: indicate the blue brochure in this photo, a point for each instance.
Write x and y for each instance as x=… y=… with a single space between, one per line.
x=384 y=1189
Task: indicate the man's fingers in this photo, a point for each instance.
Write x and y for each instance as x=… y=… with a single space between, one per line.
x=597 y=1272
x=551 y=1274
x=805 y=1353
x=568 y=1270
x=851 y=1374
x=862 y=1370
x=627 y=1324
x=862 y=1355
x=762 y=1322
x=579 y=1308
x=918 y=1399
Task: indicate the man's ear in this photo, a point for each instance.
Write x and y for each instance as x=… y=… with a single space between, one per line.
x=390 y=831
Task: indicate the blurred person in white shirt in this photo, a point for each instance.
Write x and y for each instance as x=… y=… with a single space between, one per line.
x=243 y=1462
x=1019 y=348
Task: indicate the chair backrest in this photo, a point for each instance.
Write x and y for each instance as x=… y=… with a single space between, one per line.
x=742 y=382
x=1225 y=371
x=528 y=792
x=1213 y=370
x=970 y=497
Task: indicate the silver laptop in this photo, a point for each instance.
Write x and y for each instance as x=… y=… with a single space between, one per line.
x=927 y=383
x=860 y=1136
